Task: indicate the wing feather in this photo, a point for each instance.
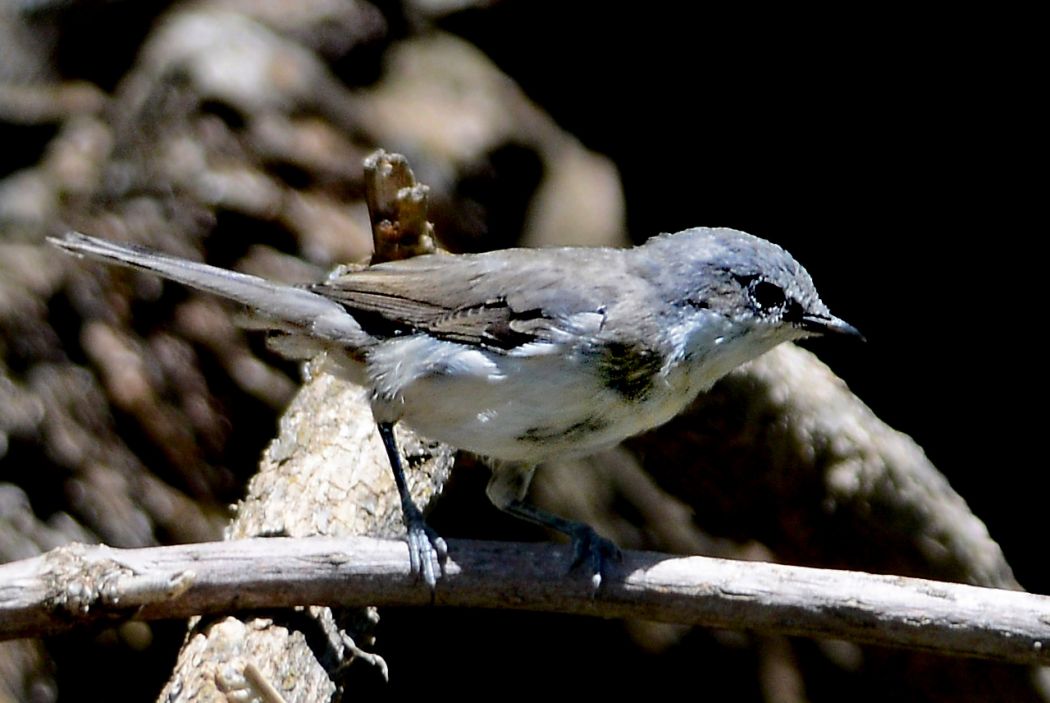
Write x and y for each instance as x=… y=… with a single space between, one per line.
x=462 y=299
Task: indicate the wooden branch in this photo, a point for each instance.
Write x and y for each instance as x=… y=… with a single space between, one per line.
x=79 y=584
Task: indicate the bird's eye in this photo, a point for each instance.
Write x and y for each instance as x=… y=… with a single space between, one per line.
x=766 y=296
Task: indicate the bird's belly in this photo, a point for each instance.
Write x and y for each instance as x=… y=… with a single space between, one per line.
x=539 y=409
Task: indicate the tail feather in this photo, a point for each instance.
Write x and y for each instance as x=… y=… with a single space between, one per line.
x=301 y=308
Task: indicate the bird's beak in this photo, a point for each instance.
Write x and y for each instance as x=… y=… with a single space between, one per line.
x=829 y=324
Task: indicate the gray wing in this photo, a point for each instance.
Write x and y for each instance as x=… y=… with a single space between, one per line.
x=499 y=300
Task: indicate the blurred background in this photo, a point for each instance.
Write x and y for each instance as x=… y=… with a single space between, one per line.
x=889 y=151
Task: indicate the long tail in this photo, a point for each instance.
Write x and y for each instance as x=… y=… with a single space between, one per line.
x=308 y=311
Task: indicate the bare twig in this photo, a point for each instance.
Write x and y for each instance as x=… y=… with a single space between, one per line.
x=71 y=585
x=397 y=207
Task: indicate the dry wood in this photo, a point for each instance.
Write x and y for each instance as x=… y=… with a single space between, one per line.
x=77 y=584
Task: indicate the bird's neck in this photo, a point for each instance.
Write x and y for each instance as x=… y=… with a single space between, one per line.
x=707 y=349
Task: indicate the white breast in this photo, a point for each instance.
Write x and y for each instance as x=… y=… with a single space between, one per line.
x=549 y=399
x=513 y=407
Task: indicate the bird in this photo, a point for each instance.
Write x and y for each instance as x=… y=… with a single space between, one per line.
x=525 y=355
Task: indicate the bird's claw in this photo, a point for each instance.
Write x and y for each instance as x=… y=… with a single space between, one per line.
x=427 y=551
x=593 y=552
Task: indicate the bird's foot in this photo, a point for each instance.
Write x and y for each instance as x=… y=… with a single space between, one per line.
x=592 y=552
x=427 y=551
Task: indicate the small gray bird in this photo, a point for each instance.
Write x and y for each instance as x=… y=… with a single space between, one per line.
x=521 y=355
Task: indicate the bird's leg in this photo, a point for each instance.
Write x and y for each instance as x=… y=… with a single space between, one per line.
x=507 y=489
x=427 y=551
x=590 y=550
